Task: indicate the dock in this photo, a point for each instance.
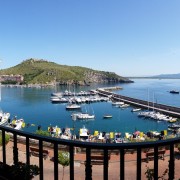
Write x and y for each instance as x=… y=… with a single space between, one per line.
x=166 y=109
x=111 y=88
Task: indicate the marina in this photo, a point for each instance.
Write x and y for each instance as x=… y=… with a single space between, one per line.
x=120 y=120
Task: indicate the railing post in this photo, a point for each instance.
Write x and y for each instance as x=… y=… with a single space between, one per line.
x=27 y=151
x=88 y=165
x=15 y=150
x=138 y=175
x=41 y=159
x=106 y=163
x=4 y=146
x=171 y=162
x=71 y=162
x=156 y=162
x=55 y=161
x=121 y=164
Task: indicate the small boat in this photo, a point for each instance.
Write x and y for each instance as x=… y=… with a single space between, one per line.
x=83 y=133
x=117 y=103
x=85 y=116
x=4 y=118
x=174 y=126
x=56 y=99
x=136 y=109
x=107 y=116
x=174 y=92
x=124 y=106
x=17 y=124
x=72 y=106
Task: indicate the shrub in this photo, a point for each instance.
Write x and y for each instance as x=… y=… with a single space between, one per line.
x=7 y=137
x=64 y=160
x=43 y=133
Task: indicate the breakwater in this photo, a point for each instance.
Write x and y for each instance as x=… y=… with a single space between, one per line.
x=166 y=109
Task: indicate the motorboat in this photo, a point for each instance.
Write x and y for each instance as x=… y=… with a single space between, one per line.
x=117 y=103
x=56 y=99
x=124 y=105
x=54 y=131
x=136 y=109
x=66 y=133
x=83 y=133
x=72 y=106
x=85 y=116
x=107 y=116
x=4 y=118
x=17 y=124
x=174 y=126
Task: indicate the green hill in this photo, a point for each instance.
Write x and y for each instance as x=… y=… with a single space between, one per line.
x=42 y=71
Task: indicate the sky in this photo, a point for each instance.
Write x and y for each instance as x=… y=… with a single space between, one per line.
x=128 y=37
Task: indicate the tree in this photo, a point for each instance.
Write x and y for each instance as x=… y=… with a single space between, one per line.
x=64 y=160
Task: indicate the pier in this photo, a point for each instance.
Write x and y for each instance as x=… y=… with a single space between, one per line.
x=166 y=109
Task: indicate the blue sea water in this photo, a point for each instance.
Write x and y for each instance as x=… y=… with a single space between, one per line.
x=35 y=107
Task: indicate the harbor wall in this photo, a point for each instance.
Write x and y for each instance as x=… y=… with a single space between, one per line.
x=166 y=109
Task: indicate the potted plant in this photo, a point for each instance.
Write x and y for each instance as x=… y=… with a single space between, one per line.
x=64 y=160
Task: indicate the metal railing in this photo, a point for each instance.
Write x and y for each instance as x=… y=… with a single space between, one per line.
x=89 y=146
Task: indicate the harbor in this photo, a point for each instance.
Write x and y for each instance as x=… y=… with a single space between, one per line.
x=36 y=108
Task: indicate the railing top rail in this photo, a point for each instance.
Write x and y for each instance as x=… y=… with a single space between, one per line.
x=94 y=145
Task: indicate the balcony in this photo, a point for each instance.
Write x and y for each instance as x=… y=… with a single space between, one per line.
x=92 y=160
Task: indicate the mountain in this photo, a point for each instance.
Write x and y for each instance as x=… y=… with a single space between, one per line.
x=167 y=76
x=42 y=71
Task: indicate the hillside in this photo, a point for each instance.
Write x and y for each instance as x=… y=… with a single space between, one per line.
x=42 y=71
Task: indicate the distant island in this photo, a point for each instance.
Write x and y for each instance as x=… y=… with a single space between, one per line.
x=39 y=71
x=161 y=76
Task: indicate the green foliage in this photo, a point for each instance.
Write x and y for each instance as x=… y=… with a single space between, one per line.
x=7 y=137
x=42 y=133
x=63 y=158
x=42 y=71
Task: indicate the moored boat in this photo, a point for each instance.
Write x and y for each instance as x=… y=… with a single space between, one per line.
x=124 y=105
x=136 y=109
x=174 y=92
x=73 y=106
x=85 y=116
x=17 y=124
x=4 y=118
x=83 y=133
x=117 y=103
x=107 y=116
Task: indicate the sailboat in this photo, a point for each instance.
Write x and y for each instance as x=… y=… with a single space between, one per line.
x=86 y=115
x=72 y=106
x=107 y=116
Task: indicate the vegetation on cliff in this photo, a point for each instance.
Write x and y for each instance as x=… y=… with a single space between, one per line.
x=37 y=71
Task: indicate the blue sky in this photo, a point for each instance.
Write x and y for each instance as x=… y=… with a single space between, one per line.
x=128 y=37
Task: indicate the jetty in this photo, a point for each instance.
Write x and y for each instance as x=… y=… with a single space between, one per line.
x=166 y=109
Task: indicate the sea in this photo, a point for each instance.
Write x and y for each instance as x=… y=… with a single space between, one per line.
x=35 y=107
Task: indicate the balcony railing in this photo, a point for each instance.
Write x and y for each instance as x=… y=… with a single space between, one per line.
x=105 y=148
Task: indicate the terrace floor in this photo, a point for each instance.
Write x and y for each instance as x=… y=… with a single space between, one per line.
x=97 y=170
